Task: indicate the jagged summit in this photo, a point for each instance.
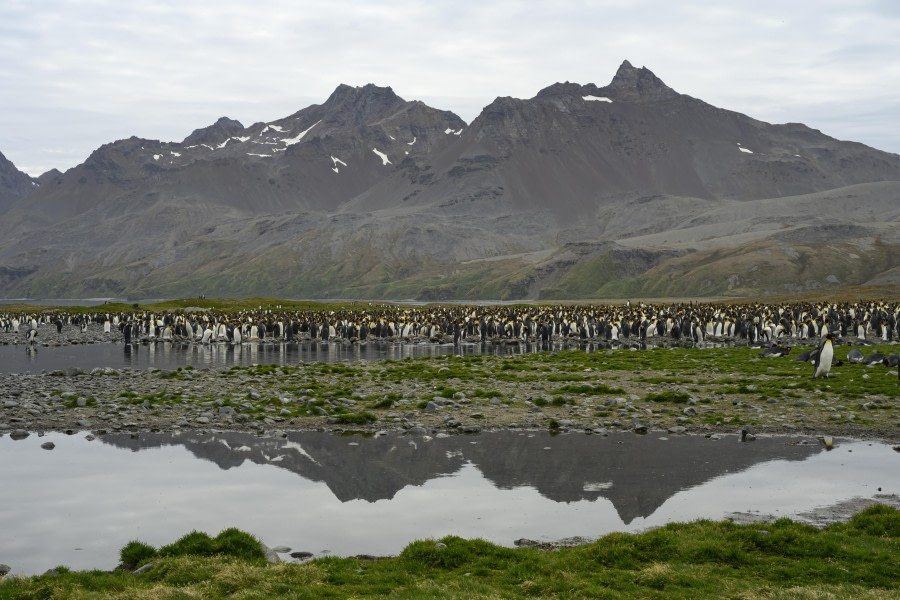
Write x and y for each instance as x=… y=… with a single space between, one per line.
x=216 y=133
x=362 y=103
x=638 y=85
x=14 y=184
x=629 y=84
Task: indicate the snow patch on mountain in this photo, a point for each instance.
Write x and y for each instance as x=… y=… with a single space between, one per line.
x=299 y=136
x=384 y=158
x=335 y=161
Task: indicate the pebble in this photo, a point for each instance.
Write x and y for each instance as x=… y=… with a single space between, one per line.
x=48 y=445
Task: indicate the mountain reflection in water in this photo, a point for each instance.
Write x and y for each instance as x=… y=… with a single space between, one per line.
x=78 y=504
x=637 y=474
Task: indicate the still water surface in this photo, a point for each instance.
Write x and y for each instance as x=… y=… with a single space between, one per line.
x=78 y=504
x=18 y=359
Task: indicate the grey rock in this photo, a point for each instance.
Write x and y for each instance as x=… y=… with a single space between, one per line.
x=690 y=411
x=143 y=569
x=48 y=445
x=271 y=555
x=19 y=434
x=281 y=549
x=4 y=569
x=301 y=555
x=472 y=429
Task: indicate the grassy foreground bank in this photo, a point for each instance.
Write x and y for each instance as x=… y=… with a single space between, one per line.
x=703 y=559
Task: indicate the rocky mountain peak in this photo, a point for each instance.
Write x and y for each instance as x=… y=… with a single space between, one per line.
x=14 y=184
x=638 y=85
x=560 y=89
x=363 y=102
x=216 y=133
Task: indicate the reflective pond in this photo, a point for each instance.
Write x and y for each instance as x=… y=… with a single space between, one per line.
x=78 y=504
x=19 y=359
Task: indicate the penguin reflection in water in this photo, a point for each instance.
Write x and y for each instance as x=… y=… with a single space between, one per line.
x=824 y=357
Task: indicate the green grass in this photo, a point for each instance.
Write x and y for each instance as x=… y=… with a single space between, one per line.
x=587 y=389
x=702 y=559
x=669 y=396
x=358 y=418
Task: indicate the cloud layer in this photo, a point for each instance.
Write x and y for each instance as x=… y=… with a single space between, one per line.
x=78 y=75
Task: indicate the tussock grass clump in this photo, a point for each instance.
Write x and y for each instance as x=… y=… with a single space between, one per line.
x=669 y=396
x=598 y=389
x=136 y=553
x=230 y=542
x=359 y=418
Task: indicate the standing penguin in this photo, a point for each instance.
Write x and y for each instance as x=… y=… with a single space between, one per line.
x=824 y=357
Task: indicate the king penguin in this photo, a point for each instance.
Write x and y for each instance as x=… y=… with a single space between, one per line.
x=824 y=357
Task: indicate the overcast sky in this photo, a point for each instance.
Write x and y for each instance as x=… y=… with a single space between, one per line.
x=76 y=75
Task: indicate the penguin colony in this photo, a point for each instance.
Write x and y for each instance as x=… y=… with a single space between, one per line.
x=684 y=324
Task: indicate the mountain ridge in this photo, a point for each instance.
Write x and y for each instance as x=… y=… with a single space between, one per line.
x=371 y=195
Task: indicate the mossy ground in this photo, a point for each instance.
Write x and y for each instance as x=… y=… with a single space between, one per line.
x=703 y=390
x=703 y=559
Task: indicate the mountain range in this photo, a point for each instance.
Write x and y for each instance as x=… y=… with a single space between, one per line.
x=581 y=192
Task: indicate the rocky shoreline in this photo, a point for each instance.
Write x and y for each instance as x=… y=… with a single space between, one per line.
x=428 y=397
x=319 y=396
